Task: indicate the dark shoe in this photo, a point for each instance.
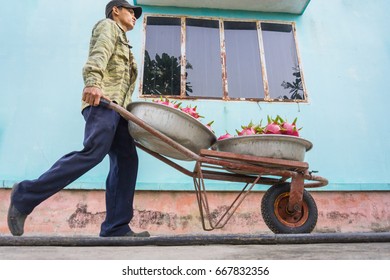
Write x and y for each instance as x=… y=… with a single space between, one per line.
x=138 y=234
x=15 y=219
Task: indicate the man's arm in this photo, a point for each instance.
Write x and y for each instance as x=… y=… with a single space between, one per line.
x=104 y=37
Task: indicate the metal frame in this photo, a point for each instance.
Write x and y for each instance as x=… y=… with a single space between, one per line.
x=225 y=94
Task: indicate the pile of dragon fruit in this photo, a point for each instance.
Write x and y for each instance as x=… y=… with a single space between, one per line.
x=188 y=109
x=274 y=126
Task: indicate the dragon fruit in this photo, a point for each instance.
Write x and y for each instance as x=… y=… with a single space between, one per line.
x=167 y=102
x=290 y=128
x=249 y=129
x=273 y=126
x=192 y=112
x=225 y=136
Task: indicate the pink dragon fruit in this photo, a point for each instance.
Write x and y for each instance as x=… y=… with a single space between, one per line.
x=167 y=102
x=250 y=129
x=290 y=128
x=225 y=136
x=273 y=126
x=192 y=112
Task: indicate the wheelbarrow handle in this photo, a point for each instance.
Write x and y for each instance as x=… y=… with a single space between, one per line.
x=104 y=102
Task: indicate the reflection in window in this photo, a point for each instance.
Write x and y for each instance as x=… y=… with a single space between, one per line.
x=203 y=52
x=284 y=77
x=243 y=60
x=162 y=56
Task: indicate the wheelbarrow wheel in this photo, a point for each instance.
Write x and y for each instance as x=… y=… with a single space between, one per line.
x=279 y=219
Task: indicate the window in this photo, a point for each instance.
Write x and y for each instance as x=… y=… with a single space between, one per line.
x=221 y=59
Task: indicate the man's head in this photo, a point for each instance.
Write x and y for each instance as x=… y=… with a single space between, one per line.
x=123 y=13
x=122 y=4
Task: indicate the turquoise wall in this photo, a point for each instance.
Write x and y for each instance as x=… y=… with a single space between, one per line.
x=345 y=51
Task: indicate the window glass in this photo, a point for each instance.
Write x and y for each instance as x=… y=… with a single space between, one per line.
x=203 y=54
x=162 y=56
x=284 y=77
x=243 y=60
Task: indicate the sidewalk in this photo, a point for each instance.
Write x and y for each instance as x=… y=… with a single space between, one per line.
x=329 y=246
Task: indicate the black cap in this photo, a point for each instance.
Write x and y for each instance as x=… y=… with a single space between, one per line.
x=122 y=3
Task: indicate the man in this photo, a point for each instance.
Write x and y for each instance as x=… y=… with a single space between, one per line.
x=109 y=72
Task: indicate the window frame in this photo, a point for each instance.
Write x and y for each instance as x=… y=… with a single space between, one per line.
x=224 y=94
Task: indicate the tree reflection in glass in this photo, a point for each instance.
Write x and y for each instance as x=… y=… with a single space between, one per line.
x=162 y=75
x=295 y=87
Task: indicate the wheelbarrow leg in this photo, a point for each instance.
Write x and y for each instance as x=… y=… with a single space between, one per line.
x=204 y=209
x=296 y=194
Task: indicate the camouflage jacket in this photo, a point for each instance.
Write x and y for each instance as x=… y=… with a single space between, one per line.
x=110 y=65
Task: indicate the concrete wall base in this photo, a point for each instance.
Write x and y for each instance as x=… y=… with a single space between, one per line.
x=80 y=212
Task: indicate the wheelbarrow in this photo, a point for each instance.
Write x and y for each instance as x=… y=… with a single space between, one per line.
x=286 y=207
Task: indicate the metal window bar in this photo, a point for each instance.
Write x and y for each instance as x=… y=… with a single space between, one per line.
x=305 y=95
x=262 y=61
x=225 y=89
x=183 y=60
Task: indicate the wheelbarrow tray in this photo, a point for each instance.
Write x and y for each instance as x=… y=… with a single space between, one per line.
x=266 y=145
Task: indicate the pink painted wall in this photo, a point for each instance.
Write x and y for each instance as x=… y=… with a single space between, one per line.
x=74 y=212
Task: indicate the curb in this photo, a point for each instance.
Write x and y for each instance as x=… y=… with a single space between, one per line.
x=199 y=239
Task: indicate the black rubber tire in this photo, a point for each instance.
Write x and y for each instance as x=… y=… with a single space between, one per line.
x=276 y=216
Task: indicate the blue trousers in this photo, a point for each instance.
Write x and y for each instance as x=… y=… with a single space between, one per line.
x=106 y=132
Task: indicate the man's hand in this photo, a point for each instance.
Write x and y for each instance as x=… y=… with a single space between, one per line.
x=92 y=95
